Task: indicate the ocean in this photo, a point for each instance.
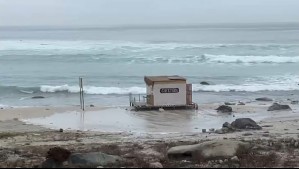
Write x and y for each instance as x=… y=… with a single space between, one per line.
x=240 y=61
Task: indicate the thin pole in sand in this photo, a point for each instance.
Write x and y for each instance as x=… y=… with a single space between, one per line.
x=81 y=93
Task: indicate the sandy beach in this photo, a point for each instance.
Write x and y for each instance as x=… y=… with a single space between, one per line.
x=32 y=128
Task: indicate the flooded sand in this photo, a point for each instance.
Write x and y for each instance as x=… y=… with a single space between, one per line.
x=122 y=120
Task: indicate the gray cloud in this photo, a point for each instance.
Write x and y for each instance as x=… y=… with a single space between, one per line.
x=126 y=12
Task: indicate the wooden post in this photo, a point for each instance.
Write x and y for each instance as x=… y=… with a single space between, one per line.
x=81 y=93
x=130 y=97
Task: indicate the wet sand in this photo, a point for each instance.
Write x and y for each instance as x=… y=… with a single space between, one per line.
x=121 y=119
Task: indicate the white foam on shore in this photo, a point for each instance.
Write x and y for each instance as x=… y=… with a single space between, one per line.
x=250 y=59
x=93 y=89
x=3 y=106
x=196 y=88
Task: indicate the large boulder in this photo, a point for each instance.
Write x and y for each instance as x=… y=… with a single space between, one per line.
x=276 y=106
x=245 y=123
x=204 y=83
x=55 y=157
x=216 y=149
x=264 y=99
x=224 y=109
x=92 y=159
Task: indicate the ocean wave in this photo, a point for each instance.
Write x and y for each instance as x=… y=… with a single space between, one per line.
x=27 y=92
x=245 y=87
x=249 y=59
x=88 y=45
x=254 y=87
x=96 y=90
x=92 y=89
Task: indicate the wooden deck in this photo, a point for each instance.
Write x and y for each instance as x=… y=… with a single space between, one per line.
x=143 y=106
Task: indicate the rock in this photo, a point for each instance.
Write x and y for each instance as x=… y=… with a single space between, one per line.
x=217 y=166
x=204 y=83
x=235 y=159
x=155 y=165
x=227 y=125
x=93 y=159
x=100 y=167
x=295 y=102
x=267 y=126
x=212 y=130
x=219 y=131
x=91 y=105
x=296 y=144
x=220 y=161
x=225 y=130
x=58 y=154
x=277 y=106
x=50 y=163
x=129 y=155
x=236 y=165
x=161 y=109
x=57 y=138
x=61 y=130
x=204 y=130
x=216 y=149
x=38 y=97
x=247 y=134
x=229 y=104
x=245 y=123
x=224 y=109
x=241 y=103
x=264 y=99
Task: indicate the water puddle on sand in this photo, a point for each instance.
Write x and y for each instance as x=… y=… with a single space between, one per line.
x=121 y=120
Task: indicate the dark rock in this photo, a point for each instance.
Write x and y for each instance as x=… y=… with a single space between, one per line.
x=226 y=124
x=204 y=130
x=245 y=123
x=267 y=126
x=229 y=104
x=58 y=154
x=50 y=163
x=204 y=83
x=224 y=109
x=61 y=130
x=247 y=134
x=264 y=99
x=1 y=108
x=295 y=102
x=92 y=159
x=38 y=97
x=91 y=105
x=277 y=106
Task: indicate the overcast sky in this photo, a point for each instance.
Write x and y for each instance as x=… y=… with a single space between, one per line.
x=138 y=12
